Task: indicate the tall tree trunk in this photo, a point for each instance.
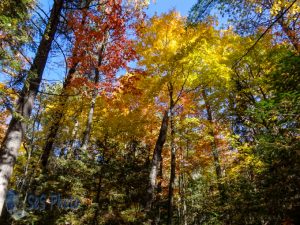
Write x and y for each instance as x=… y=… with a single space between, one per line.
x=173 y=159
x=157 y=202
x=17 y=126
x=182 y=208
x=214 y=147
x=88 y=128
x=58 y=115
x=156 y=163
x=183 y=198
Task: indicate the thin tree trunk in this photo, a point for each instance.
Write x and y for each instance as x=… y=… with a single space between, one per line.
x=184 y=217
x=66 y=151
x=31 y=147
x=71 y=143
x=17 y=126
x=87 y=131
x=173 y=159
x=182 y=208
x=58 y=115
x=214 y=147
x=180 y=189
x=157 y=200
x=156 y=162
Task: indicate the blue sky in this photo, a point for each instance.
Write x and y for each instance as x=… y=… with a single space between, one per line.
x=160 y=6
x=55 y=68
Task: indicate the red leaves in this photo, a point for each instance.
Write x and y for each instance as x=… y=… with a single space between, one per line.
x=80 y=81
x=90 y=28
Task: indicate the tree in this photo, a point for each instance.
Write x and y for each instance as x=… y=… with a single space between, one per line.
x=249 y=15
x=177 y=57
x=99 y=59
x=17 y=126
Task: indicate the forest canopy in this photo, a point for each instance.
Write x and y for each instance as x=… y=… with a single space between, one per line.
x=111 y=116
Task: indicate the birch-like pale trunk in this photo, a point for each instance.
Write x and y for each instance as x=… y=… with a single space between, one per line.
x=17 y=127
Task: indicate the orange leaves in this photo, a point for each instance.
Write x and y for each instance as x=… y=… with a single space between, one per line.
x=80 y=82
x=109 y=26
x=128 y=84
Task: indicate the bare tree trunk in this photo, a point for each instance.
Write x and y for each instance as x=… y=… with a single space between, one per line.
x=156 y=163
x=214 y=147
x=17 y=126
x=173 y=159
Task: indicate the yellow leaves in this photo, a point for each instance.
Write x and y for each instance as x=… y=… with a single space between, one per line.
x=189 y=56
x=161 y=38
x=295 y=9
x=191 y=122
x=246 y=160
x=2 y=86
x=258 y=9
x=280 y=5
x=8 y=92
x=21 y=162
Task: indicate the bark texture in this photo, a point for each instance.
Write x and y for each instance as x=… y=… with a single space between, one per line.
x=17 y=126
x=88 y=128
x=156 y=163
x=58 y=115
x=173 y=159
